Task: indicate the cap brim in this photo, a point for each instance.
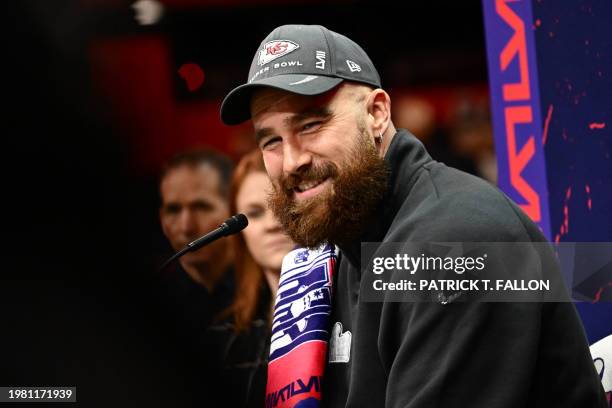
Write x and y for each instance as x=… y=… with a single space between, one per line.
x=236 y=107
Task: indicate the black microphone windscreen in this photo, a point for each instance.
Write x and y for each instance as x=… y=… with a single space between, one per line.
x=236 y=223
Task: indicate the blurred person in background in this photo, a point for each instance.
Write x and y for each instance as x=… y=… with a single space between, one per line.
x=194 y=188
x=471 y=137
x=418 y=115
x=259 y=251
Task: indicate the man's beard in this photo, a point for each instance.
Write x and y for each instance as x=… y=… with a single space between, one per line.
x=340 y=214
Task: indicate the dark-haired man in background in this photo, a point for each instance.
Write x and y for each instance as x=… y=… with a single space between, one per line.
x=194 y=193
x=343 y=174
x=194 y=201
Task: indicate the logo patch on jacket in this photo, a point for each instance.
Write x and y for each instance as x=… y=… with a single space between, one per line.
x=339 y=345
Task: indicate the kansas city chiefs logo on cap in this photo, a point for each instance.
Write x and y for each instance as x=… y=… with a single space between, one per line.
x=274 y=49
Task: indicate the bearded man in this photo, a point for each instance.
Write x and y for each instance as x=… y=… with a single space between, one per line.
x=342 y=174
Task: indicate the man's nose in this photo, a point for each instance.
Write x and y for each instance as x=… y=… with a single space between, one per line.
x=186 y=222
x=295 y=157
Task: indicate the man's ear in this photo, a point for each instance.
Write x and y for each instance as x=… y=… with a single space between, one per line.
x=379 y=109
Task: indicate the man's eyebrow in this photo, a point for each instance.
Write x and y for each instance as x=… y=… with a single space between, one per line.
x=317 y=112
x=170 y=205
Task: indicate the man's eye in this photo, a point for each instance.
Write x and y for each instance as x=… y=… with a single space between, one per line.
x=172 y=209
x=267 y=144
x=202 y=206
x=311 y=125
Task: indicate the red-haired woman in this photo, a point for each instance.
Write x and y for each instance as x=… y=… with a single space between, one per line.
x=259 y=251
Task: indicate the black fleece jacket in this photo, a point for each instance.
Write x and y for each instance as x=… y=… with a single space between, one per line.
x=463 y=354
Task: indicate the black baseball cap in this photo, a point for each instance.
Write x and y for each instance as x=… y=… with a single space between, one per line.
x=303 y=59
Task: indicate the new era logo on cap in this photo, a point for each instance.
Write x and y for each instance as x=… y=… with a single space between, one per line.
x=275 y=49
x=353 y=66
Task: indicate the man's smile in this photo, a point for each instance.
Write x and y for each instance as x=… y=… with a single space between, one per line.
x=310 y=188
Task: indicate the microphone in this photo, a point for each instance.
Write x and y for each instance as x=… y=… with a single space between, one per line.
x=230 y=226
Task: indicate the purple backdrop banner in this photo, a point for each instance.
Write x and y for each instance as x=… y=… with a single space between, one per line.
x=515 y=106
